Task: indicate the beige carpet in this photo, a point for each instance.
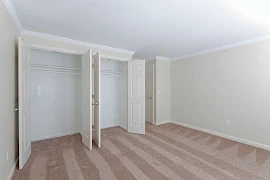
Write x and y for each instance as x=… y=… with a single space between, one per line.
x=166 y=152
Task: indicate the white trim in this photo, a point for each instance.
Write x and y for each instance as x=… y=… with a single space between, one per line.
x=241 y=43
x=75 y=42
x=67 y=51
x=115 y=58
x=163 y=122
x=110 y=126
x=124 y=127
x=13 y=169
x=240 y=140
x=53 y=49
x=10 y=8
x=54 y=136
x=162 y=58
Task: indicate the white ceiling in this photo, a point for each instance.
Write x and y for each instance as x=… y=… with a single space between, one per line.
x=168 y=28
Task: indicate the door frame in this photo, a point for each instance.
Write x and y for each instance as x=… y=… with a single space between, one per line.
x=153 y=62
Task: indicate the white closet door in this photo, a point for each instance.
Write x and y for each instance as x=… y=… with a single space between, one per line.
x=87 y=99
x=149 y=91
x=136 y=96
x=97 y=128
x=24 y=104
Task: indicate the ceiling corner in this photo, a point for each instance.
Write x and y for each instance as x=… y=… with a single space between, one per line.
x=162 y=58
x=10 y=8
x=237 y=44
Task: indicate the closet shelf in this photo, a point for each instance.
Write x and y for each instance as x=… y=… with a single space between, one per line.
x=70 y=70
x=54 y=67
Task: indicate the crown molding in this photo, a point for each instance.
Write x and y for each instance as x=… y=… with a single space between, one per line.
x=75 y=42
x=10 y=8
x=241 y=43
x=162 y=58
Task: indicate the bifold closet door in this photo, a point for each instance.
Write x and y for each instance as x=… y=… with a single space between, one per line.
x=97 y=124
x=136 y=96
x=86 y=82
x=24 y=77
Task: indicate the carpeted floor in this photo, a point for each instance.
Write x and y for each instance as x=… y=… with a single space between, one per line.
x=166 y=152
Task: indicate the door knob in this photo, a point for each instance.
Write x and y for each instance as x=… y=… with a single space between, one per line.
x=16 y=109
x=150 y=97
x=96 y=103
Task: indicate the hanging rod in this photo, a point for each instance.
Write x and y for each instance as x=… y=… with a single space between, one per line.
x=54 y=67
x=54 y=71
x=69 y=70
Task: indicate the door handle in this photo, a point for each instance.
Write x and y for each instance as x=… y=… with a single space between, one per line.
x=16 y=109
x=95 y=103
x=150 y=97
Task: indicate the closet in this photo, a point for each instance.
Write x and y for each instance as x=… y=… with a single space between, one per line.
x=63 y=93
x=113 y=85
x=55 y=94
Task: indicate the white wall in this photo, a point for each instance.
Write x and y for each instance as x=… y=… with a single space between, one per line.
x=110 y=97
x=232 y=84
x=113 y=102
x=56 y=109
x=163 y=86
x=8 y=93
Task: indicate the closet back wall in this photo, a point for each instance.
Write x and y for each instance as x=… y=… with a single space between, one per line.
x=113 y=98
x=56 y=94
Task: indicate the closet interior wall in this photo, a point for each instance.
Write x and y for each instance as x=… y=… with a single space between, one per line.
x=113 y=103
x=56 y=94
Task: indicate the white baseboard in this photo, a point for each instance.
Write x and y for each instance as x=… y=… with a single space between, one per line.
x=12 y=170
x=163 y=122
x=240 y=140
x=54 y=136
x=124 y=127
x=109 y=126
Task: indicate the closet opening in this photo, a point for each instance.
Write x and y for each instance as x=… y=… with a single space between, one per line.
x=63 y=93
x=114 y=93
x=55 y=94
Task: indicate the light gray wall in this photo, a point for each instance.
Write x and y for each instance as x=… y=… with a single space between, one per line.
x=8 y=93
x=56 y=109
x=163 y=85
x=232 y=84
x=113 y=99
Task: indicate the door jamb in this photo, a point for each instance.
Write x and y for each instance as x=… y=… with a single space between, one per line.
x=153 y=62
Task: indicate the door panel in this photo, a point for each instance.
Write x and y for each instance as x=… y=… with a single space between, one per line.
x=86 y=82
x=97 y=125
x=149 y=92
x=136 y=96
x=24 y=76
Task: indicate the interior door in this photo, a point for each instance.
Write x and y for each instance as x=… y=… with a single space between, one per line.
x=24 y=77
x=149 y=92
x=86 y=81
x=136 y=96
x=97 y=128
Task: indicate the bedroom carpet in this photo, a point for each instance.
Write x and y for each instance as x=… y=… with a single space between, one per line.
x=165 y=152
